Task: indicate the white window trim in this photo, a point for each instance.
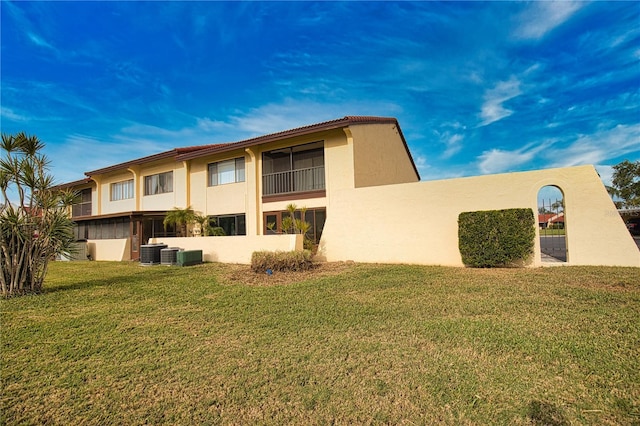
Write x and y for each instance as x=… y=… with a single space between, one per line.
x=123 y=190
x=214 y=174
x=152 y=184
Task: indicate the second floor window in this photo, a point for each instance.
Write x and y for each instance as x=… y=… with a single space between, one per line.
x=158 y=184
x=82 y=204
x=229 y=171
x=122 y=190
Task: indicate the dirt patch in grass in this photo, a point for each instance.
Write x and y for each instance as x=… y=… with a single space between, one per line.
x=242 y=274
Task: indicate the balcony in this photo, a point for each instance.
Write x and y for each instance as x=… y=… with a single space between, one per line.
x=292 y=181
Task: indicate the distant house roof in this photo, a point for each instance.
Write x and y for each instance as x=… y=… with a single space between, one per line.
x=551 y=217
x=187 y=153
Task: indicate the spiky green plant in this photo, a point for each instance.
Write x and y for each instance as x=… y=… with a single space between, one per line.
x=35 y=226
x=293 y=225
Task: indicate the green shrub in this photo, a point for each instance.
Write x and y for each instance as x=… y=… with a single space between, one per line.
x=261 y=261
x=496 y=237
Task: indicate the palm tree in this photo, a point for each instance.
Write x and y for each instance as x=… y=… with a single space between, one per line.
x=206 y=228
x=180 y=218
x=292 y=225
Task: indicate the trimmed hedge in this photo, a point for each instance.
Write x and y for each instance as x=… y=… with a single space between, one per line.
x=261 y=261
x=496 y=237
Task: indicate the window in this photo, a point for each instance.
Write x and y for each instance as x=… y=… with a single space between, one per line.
x=229 y=171
x=294 y=169
x=82 y=204
x=100 y=229
x=158 y=184
x=122 y=190
x=234 y=224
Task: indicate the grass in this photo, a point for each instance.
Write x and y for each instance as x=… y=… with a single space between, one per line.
x=551 y=231
x=116 y=343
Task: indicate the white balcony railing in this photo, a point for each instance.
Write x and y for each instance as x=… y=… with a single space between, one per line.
x=301 y=180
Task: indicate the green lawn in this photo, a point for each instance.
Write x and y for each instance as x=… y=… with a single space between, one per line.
x=117 y=343
x=550 y=231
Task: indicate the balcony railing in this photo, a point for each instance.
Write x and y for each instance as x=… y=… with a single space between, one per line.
x=301 y=180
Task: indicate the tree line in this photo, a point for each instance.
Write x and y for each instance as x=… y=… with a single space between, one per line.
x=625 y=184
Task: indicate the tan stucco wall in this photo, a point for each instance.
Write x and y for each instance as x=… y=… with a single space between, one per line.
x=113 y=250
x=236 y=249
x=338 y=161
x=166 y=201
x=109 y=206
x=282 y=205
x=221 y=199
x=380 y=156
x=417 y=222
x=226 y=199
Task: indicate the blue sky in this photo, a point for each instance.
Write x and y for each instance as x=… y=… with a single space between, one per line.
x=477 y=87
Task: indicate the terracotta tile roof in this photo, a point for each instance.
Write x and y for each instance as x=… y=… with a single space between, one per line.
x=551 y=217
x=160 y=156
x=298 y=131
x=72 y=184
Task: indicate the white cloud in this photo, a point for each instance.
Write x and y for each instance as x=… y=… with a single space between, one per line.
x=39 y=41
x=208 y=125
x=498 y=160
x=543 y=16
x=10 y=114
x=453 y=144
x=606 y=173
x=421 y=164
x=292 y=113
x=271 y=118
x=597 y=148
x=493 y=109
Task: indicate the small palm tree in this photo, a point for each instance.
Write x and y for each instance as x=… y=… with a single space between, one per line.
x=215 y=230
x=180 y=218
x=206 y=228
x=292 y=225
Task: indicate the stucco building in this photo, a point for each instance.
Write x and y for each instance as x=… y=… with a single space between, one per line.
x=352 y=174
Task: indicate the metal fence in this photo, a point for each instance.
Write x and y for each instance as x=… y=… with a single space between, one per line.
x=300 y=180
x=551 y=222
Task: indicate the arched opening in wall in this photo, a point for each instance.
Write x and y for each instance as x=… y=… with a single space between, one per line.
x=552 y=225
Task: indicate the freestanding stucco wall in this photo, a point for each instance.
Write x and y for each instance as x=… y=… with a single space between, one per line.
x=418 y=222
x=116 y=249
x=234 y=249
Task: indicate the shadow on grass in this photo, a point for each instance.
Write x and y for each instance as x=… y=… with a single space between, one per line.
x=547 y=414
x=76 y=281
x=80 y=285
